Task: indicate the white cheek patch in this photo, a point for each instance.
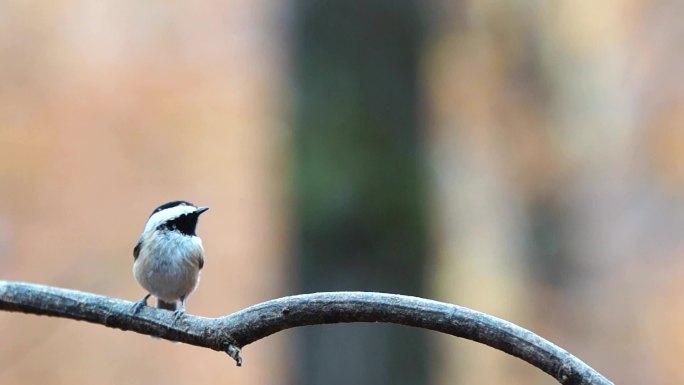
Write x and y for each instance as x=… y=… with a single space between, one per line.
x=162 y=216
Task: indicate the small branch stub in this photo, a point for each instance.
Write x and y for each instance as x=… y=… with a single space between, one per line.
x=234 y=352
x=232 y=332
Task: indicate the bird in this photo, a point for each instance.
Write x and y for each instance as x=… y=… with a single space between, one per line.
x=169 y=256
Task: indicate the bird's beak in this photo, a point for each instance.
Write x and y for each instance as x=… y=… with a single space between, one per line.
x=201 y=209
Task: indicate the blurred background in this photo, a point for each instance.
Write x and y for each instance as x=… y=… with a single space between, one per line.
x=522 y=158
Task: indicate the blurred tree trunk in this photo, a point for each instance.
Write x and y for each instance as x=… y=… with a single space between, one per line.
x=357 y=181
x=478 y=55
x=607 y=218
x=541 y=190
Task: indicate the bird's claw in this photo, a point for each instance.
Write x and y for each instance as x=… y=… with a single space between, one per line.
x=139 y=305
x=178 y=314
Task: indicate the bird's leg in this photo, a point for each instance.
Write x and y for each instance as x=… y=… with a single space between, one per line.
x=138 y=305
x=178 y=314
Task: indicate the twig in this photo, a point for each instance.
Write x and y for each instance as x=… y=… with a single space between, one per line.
x=232 y=332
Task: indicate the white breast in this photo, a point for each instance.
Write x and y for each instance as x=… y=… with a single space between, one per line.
x=168 y=264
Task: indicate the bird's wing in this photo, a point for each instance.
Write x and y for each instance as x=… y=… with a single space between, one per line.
x=136 y=249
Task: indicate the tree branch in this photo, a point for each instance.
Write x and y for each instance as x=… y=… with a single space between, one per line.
x=230 y=333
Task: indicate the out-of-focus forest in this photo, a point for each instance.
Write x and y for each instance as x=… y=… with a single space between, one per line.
x=525 y=159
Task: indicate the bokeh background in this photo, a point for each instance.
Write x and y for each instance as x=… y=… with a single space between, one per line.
x=522 y=158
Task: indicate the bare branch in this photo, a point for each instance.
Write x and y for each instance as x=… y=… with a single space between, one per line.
x=230 y=333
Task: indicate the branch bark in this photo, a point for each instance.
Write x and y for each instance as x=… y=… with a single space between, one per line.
x=230 y=333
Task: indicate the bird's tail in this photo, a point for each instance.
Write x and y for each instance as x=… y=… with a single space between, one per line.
x=167 y=305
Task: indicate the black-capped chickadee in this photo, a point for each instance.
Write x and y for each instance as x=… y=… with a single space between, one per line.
x=169 y=256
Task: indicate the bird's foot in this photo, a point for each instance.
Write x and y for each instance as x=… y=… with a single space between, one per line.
x=178 y=314
x=138 y=305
